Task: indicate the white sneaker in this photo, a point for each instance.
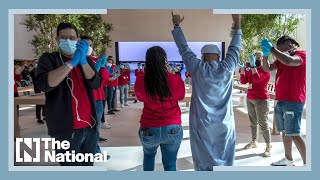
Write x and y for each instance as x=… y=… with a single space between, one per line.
x=122 y=106
x=283 y=162
x=105 y=126
x=126 y=104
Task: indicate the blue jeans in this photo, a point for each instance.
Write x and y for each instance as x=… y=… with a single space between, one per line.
x=168 y=138
x=288 y=117
x=99 y=110
x=124 y=93
x=81 y=141
x=110 y=98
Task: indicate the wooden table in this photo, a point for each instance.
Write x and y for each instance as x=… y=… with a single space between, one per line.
x=25 y=89
x=25 y=100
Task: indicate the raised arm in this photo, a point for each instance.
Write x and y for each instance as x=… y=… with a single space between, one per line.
x=267 y=67
x=233 y=53
x=188 y=57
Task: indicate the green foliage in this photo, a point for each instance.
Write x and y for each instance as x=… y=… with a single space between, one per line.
x=44 y=27
x=256 y=26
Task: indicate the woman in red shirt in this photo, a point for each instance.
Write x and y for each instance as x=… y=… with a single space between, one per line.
x=160 y=121
x=123 y=81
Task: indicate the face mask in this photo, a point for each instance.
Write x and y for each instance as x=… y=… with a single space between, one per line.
x=139 y=67
x=89 y=51
x=68 y=47
x=258 y=63
x=290 y=52
x=109 y=64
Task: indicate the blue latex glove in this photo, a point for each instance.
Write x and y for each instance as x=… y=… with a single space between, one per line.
x=109 y=69
x=240 y=64
x=98 y=65
x=265 y=51
x=115 y=76
x=75 y=59
x=252 y=60
x=266 y=46
x=83 y=46
x=103 y=60
x=117 y=68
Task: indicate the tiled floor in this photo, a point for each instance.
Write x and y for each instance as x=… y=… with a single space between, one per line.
x=124 y=147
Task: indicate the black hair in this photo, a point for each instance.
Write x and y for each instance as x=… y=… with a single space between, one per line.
x=139 y=63
x=155 y=78
x=86 y=37
x=285 y=38
x=62 y=26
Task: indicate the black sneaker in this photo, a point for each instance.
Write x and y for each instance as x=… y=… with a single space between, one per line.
x=111 y=112
x=108 y=157
x=39 y=121
x=102 y=139
x=115 y=110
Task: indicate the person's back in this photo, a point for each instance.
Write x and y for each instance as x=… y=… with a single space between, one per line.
x=161 y=117
x=211 y=119
x=210 y=83
x=156 y=113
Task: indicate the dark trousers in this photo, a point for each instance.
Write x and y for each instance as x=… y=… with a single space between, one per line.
x=104 y=102
x=38 y=111
x=110 y=100
x=17 y=95
x=83 y=140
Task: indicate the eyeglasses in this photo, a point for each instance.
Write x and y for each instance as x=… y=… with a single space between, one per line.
x=72 y=38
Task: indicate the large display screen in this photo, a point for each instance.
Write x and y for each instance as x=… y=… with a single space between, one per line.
x=136 y=51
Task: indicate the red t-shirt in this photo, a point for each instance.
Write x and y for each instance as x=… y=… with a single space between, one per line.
x=123 y=78
x=187 y=74
x=17 y=77
x=138 y=72
x=113 y=83
x=80 y=93
x=128 y=74
x=154 y=114
x=259 y=82
x=291 y=80
x=104 y=74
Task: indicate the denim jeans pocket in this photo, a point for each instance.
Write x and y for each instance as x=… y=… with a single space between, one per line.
x=175 y=135
x=146 y=137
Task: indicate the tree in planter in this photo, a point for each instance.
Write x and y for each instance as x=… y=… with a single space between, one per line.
x=44 y=27
x=272 y=26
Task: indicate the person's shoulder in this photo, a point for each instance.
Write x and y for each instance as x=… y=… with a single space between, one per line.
x=300 y=53
x=47 y=55
x=173 y=76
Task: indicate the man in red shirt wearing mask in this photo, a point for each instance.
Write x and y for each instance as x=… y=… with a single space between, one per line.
x=137 y=72
x=290 y=93
x=68 y=77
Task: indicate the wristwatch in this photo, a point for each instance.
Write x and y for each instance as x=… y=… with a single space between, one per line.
x=69 y=65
